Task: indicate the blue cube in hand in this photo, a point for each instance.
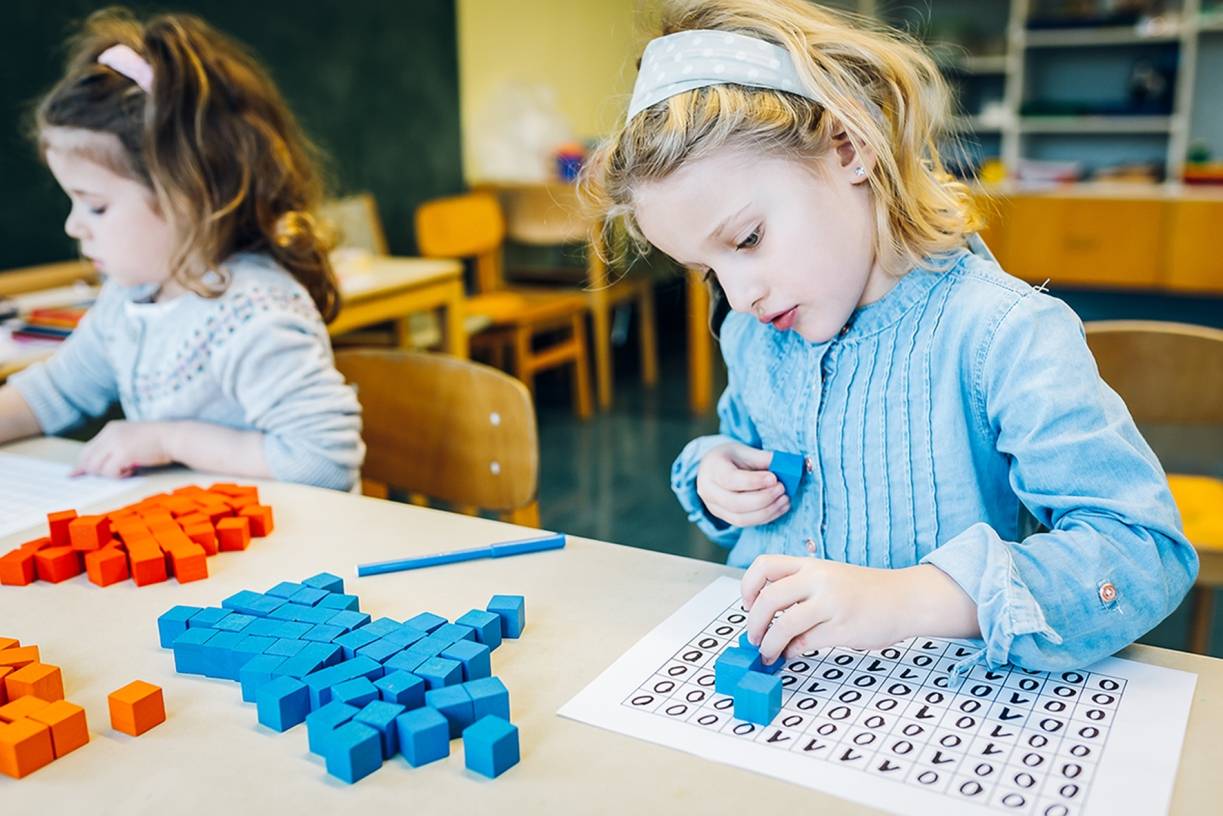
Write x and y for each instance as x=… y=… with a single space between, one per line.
x=788 y=467
x=758 y=697
x=424 y=736
x=513 y=612
x=730 y=667
x=490 y=747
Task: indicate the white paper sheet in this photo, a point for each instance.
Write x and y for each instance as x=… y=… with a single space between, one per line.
x=883 y=727
x=30 y=488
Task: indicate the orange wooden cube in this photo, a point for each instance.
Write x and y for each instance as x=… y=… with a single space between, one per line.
x=41 y=680
x=22 y=707
x=187 y=490
x=106 y=566
x=261 y=519
x=89 y=533
x=188 y=562
x=180 y=506
x=215 y=510
x=136 y=708
x=58 y=524
x=233 y=533
x=25 y=746
x=19 y=656
x=35 y=544
x=146 y=562
x=69 y=729
x=8 y=643
x=4 y=671
x=17 y=568
x=204 y=535
x=57 y=564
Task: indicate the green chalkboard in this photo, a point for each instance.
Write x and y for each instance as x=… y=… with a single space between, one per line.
x=375 y=84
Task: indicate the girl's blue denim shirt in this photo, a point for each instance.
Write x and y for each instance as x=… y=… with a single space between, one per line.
x=937 y=415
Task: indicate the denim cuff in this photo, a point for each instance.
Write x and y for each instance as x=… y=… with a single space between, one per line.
x=981 y=563
x=683 y=483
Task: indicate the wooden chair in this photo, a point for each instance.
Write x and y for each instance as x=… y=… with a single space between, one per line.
x=446 y=429
x=355 y=222
x=471 y=226
x=46 y=276
x=541 y=215
x=1173 y=373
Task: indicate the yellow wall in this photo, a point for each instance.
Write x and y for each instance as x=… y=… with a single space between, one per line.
x=585 y=50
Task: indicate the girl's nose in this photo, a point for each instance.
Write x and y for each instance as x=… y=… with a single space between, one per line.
x=73 y=226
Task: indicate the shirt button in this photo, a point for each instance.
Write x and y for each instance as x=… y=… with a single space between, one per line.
x=1108 y=592
x=808 y=464
x=810 y=546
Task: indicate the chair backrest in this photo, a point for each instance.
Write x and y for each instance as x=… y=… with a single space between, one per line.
x=356 y=222
x=1166 y=372
x=446 y=428
x=464 y=226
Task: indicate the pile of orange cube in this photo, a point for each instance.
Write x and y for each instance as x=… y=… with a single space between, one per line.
x=168 y=534
x=37 y=725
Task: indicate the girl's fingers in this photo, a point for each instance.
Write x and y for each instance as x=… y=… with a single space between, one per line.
x=776 y=596
x=738 y=480
x=764 y=569
x=794 y=622
x=743 y=503
x=770 y=512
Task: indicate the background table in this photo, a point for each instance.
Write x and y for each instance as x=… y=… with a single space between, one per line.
x=586 y=605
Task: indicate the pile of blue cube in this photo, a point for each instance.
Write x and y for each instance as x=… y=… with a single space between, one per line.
x=367 y=689
x=756 y=687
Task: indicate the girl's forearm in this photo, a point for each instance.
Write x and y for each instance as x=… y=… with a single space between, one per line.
x=937 y=607
x=17 y=421
x=215 y=448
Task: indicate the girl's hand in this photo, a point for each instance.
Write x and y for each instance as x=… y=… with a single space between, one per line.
x=827 y=603
x=734 y=482
x=121 y=447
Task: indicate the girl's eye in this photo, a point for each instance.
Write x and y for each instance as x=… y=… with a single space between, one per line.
x=750 y=241
x=97 y=210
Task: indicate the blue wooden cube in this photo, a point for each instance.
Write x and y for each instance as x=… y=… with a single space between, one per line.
x=769 y=668
x=758 y=697
x=340 y=602
x=403 y=688
x=189 y=650
x=172 y=623
x=404 y=662
x=206 y=617
x=730 y=667
x=473 y=656
x=321 y=682
x=287 y=647
x=353 y=752
x=249 y=647
x=282 y=703
x=240 y=600
x=380 y=650
x=323 y=633
x=380 y=716
x=308 y=596
x=322 y=721
x=513 y=612
x=349 y=619
x=312 y=614
x=490 y=746
x=455 y=705
x=424 y=736
x=326 y=582
x=350 y=642
x=234 y=622
x=256 y=672
x=218 y=655
x=489 y=696
x=404 y=636
x=453 y=633
x=487 y=625
x=380 y=627
x=430 y=646
x=425 y=621
x=284 y=589
x=438 y=672
x=788 y=467
x=358 y=692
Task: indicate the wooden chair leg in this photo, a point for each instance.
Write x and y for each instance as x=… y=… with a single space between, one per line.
x=648 y=335
x=1201 y=616
x=376 y=490
x=524 y=516
x=581 y=370
x=600 y=320
x=700 y=346
x=523 y=368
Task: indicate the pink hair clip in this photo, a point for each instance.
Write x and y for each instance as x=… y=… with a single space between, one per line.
x=123 y=60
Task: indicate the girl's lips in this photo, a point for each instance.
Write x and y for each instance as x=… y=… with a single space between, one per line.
x=785 y=320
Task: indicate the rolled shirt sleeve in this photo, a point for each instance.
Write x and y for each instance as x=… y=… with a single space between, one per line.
x=1114 y=561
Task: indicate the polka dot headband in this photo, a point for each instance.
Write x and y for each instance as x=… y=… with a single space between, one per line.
x=694 y=59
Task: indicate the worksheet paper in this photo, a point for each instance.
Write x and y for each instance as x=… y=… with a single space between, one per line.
x=31 y=488
x=889 y=728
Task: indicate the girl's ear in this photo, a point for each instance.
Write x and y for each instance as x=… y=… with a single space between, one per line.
x=855 y=161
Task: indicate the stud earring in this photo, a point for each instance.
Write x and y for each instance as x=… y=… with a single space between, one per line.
x=859 y=171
